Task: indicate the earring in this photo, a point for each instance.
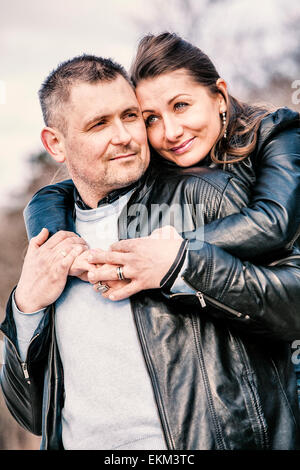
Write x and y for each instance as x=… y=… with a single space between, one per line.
x=224 y=124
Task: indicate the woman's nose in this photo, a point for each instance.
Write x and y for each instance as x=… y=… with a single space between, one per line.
x=173 y=129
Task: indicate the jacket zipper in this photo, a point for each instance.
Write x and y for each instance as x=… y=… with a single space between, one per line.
x=164 y=424
x=203 y=298
x=23 y=364
x=262 y=430
x=283 y=260
x=210 y=404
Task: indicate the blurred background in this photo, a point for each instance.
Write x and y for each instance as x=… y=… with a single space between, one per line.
x=255 y=45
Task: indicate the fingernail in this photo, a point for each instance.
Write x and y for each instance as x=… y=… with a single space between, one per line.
x=111 y=297
x=91 y=276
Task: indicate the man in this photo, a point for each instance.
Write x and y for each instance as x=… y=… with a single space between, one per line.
x=157 y=371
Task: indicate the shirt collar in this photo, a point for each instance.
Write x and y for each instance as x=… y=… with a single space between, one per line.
x=108 y=199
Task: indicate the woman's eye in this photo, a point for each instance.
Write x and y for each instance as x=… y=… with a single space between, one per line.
x=150 y=120
x=180 y=105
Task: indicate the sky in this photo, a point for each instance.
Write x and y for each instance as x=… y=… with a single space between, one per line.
x=36 y=35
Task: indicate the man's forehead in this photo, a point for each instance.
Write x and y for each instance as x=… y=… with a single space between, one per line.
x=108 y=95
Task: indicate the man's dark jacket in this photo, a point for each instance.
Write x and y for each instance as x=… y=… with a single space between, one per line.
x=220 y=360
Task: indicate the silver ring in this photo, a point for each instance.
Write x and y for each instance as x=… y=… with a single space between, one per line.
x=102 y=287
x=120 y=273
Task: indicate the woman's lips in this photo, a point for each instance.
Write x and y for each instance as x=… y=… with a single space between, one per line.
x=184 y=147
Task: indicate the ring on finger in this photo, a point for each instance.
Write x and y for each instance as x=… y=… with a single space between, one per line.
x=120 y=273
x=102 y=287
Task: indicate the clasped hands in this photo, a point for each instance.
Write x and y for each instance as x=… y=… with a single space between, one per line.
x=49 y=262
x=144 y=261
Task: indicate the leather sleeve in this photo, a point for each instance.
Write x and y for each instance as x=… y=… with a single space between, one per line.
x=271 y=220
x=51 y=207
x=264 y=300
x=23 y=396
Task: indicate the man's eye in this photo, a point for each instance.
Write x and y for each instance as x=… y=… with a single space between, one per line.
x=180 y=105
x=131 y=116
x=150 y=120
x=99 y=124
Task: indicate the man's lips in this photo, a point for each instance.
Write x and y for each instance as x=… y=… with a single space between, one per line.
x=127 y=155
x=186 y=145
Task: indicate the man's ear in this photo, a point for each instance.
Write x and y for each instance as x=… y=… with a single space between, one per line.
x=222 y=85
x=53 y=142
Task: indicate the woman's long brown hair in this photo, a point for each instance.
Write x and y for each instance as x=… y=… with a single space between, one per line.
x=167 y=52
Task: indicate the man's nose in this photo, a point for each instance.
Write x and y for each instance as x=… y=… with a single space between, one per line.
x=120 y=136
x=173 y=128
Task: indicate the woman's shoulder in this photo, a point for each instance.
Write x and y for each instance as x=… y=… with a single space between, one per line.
x=278 y=121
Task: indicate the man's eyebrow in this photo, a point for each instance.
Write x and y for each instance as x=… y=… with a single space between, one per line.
x=168 y=102
x=131 y=109
x=100 y=117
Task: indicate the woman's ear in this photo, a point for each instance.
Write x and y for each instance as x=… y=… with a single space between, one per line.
x=223 y=95
x=53 y=142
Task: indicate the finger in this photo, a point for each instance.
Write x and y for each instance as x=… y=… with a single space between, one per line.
x=108 y=257
x=59 y=237
x=124 y=246
x=124 y=292
x=107 y=272
x=165 y=233
x=96 y=287
x=113 y=286
x=79 y=269
x=68 y=243
x=64 y=262
x=40 y=238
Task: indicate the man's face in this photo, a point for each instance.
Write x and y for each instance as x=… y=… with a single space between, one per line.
x=105 y=144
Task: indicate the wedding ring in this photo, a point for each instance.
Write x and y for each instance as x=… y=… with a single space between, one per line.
x=102 y=287
x=120 y=273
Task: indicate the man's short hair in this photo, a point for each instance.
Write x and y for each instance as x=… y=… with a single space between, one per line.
x=55 y=90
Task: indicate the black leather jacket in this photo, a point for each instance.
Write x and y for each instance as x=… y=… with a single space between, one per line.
x=220 y=360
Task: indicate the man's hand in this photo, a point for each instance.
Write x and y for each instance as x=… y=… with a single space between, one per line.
x=46 y=268
x=81 y=266
x=145 y=261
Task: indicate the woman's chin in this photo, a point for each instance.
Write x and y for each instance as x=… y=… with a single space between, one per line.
x=185 y=161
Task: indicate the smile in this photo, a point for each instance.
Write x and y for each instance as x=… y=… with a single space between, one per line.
x=185 y=146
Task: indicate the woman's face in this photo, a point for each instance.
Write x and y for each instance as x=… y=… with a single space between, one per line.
x=182 y=117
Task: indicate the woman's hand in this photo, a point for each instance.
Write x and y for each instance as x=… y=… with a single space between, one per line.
x=144 y=261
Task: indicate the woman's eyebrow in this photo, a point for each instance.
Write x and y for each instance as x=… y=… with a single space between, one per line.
x=168 y=102
x=176 y=96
